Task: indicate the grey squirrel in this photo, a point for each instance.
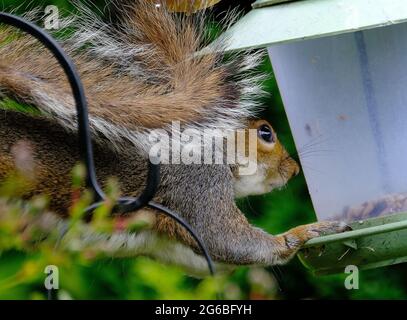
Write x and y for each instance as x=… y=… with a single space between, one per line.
x=141 y=74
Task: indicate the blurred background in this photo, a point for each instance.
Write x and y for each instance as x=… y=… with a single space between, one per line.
x=83 y=277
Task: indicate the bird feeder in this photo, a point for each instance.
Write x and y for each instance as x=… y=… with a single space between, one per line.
x=341 y=67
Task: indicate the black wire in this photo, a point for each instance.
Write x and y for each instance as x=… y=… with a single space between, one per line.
x=131 y=204
x=174 y=216
x=177 y=218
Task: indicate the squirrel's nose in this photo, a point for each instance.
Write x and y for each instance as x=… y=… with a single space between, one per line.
x=296 y=170
x=291 y=167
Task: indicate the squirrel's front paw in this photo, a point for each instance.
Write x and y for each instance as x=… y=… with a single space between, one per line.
x=313 y=230
x=299 y=235
x=295 y=238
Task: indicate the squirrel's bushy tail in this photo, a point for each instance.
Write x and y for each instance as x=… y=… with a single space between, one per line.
x=140 y=73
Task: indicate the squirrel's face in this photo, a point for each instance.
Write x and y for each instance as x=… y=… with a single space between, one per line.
x=274 y=166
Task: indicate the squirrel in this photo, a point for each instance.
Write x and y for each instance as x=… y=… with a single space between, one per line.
x=141 y=74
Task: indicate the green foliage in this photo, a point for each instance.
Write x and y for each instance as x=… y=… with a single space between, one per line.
x=30 y=240
x=8 y=104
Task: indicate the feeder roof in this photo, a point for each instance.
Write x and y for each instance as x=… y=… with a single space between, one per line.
x=285 y=22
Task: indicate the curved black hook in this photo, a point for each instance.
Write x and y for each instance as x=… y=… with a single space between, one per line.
x=86 y=150
x=201 y=246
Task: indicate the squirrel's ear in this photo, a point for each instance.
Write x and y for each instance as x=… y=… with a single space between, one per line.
x=187 y=5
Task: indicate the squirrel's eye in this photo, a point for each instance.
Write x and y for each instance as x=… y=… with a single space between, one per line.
x=265 y=133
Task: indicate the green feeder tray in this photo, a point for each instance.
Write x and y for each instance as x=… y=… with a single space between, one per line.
x=372 y=243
